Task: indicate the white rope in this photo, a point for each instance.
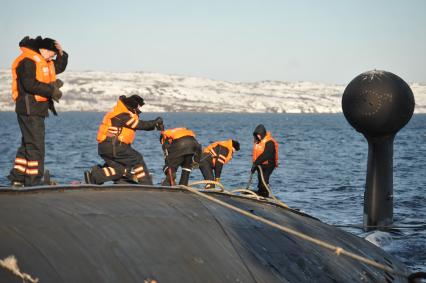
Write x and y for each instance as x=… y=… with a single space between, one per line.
x=10 y=263
x=250 y=192
x=221 y=187
x=336 y=249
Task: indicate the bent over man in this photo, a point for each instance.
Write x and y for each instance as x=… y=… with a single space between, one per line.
x=265 y=156
x=214 y=157
x=34 y=87
x=115 y=137
x=180 y=148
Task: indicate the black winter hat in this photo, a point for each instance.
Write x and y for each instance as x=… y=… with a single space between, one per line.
x=47 y=43
x=133 y=102
x=236 y=145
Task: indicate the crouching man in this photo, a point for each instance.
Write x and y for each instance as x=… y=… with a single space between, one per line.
x=115 y=137
x=214 y=157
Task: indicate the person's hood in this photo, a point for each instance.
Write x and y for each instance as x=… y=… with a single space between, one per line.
x=31 y=43
x=260 y=130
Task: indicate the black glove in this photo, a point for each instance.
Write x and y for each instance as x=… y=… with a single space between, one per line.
x=159 y=125
x=253 y=168
x=58 y=83
x=57 y=94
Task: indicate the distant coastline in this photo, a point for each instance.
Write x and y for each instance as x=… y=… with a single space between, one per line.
x=94 y=91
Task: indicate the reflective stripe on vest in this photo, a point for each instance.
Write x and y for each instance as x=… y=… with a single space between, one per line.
x=223 y=159
x=45 y=72
x=123 y=134
x=176 y=133
x=259 y=148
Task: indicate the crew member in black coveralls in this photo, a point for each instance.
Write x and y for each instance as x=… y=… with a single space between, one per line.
x=180 y=149
x=265 y=155
x=214 y=157
x=34 y=87
x=115 y=136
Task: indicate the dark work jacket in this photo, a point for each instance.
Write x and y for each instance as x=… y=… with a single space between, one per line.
x=28 y=86
x=267 y=155
x=269 y=152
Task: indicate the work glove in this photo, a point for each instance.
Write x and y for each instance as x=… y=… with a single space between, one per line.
x=58 y=83
x=253 y=168
x=159 y=125
x=57 y=94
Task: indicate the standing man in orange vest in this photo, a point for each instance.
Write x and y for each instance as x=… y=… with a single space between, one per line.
x=265 y=156
x=34 y=87
x=115 y=137
x=214 y=157
x=180 y=149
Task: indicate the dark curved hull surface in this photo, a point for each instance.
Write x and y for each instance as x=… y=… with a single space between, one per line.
x=132 y=233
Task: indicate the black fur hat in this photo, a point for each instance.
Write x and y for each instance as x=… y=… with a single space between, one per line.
x=236 y=145
x=46 y=43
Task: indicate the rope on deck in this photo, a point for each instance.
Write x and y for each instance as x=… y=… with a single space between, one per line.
x=337 y=250
x=10 y=263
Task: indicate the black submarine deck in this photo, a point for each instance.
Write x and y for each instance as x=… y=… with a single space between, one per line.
x=131 y=233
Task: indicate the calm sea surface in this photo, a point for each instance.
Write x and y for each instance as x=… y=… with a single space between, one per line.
x=322 y=172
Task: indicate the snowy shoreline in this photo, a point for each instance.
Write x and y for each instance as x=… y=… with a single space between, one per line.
x=97 y=91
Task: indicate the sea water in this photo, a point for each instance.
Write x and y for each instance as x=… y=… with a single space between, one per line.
x=322 y=164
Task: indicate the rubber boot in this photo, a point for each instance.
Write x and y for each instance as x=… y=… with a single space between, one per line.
x=184 y=177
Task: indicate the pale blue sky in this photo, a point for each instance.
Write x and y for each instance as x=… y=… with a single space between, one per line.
x=323 y=41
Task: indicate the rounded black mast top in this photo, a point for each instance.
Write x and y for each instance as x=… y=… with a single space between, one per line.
x=378 y=104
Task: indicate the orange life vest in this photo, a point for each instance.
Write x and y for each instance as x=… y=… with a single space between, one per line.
x=45 y=71
x=221 y=158
x=174 y=134
x=123 y=134
x=259 y=148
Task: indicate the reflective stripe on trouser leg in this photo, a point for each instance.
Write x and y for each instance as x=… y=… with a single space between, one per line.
x=20 y=165
x=104 y=174
x=142 y=174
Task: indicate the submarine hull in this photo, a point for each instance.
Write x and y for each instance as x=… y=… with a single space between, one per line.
x=135 y=233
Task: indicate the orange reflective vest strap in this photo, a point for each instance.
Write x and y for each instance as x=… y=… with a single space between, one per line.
x=123 y=134
x=176 y=133
x=45 y=72
x=222 y=159
x=259 y=148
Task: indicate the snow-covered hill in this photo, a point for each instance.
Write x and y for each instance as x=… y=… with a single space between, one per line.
x=97 y=91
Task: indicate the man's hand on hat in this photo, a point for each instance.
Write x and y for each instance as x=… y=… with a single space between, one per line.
x=59 y=47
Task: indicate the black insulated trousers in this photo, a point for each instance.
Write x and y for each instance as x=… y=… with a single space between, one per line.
x=28 y=167
x=122 y=163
